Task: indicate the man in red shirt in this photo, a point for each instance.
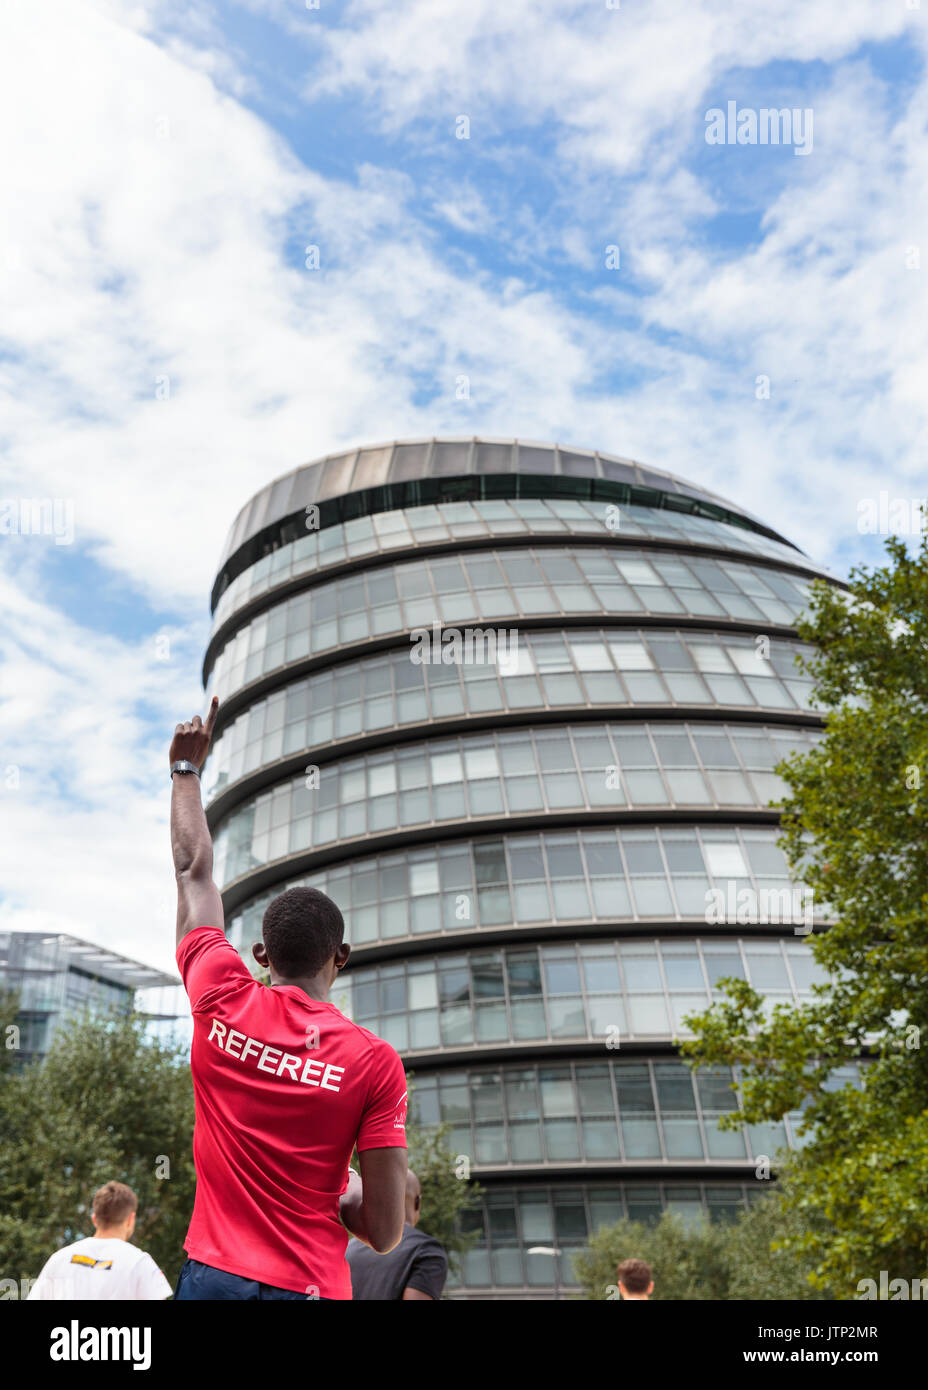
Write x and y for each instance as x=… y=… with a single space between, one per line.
x=285 y=1086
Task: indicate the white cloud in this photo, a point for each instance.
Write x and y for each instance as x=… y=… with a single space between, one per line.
x=613 y=80
x=467 y=212
x=85 y=726
x=149 y=211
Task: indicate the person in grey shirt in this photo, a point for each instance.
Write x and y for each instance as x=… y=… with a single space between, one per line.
x=415 y=1269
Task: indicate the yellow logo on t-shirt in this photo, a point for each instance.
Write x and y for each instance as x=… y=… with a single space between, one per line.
x=90 y=1262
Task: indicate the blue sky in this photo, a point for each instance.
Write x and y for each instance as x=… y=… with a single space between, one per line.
x=164 y=351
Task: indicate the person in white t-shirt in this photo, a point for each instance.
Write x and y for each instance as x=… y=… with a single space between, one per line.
x=104 y=1266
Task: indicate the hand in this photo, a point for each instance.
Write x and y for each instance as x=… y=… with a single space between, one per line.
x=191 y=741
x=353 y=1191
x=349 y=1203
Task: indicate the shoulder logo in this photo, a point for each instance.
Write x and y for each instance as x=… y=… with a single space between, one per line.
x=399 y=1118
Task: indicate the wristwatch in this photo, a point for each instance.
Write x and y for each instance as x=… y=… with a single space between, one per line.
x=184 y=766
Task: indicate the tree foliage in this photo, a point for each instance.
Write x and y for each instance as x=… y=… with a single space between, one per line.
x=107 y=1102
x=730 y=1260
x=446 y=1198
x=854 y=830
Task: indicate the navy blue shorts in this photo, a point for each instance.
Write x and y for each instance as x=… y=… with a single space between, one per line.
x=199 y=1281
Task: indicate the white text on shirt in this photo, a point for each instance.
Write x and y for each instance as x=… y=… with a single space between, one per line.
x=313 y=1073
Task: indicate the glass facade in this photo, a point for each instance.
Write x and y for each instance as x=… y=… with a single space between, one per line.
x=529 y=883
x=549 y=670
x=549 y=851
x=469 y=522
x=57 y=977
x=526 y=1238
x=551 y=769
x=598 y=991
x=502 y=587
x=621 y=1113
x=468 y=469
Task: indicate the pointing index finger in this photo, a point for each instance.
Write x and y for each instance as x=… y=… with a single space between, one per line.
x=211 y=717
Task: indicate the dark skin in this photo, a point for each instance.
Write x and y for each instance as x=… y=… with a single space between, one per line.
x=316 y=986
x=372 y=1206
x=413 y=1212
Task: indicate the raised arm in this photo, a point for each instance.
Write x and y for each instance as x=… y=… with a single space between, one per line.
x=198 y=900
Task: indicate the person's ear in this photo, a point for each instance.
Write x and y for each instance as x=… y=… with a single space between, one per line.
x=259 y=951
x=342 y=953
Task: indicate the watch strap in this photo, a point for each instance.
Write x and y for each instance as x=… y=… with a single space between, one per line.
x=184 y=766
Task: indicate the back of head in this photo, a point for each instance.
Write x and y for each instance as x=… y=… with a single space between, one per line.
x=302 y=930
x=635 y=1275
x=112 y=1204
x=413 y=1198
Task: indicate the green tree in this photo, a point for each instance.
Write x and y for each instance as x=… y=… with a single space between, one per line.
x=855 y=832
x=687 y=1261
x=107 y=1101
x=9 y=1030
x=447 y=1199
x=765 y=1253
x=695 y=1262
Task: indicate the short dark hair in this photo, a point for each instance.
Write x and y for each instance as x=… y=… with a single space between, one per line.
x=113 y=1203
x=635 y=1275
x=302 y=929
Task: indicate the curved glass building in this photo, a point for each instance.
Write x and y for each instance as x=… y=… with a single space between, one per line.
x=516 y=708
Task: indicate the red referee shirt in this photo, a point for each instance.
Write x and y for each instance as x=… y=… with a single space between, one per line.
x=284 y=1087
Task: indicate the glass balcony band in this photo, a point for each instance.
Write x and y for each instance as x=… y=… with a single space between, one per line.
x=459 y=526
x=613 y=1112
x=551 y=671
x=607 y=992
x=512 y=1221
x=547 y=770
x=500 y=587
x=455 y=889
